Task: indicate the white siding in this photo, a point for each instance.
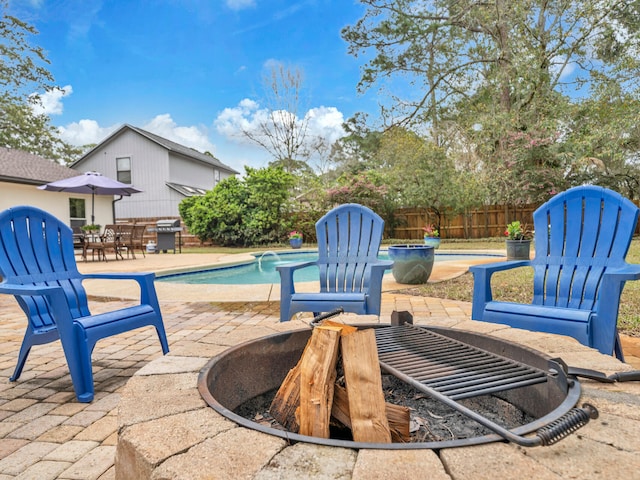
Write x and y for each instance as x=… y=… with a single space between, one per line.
x=152 y=166
x=188 y=172
x=149 y=172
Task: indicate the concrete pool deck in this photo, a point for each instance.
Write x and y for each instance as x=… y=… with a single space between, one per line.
x=148 y=413
x=174 y=263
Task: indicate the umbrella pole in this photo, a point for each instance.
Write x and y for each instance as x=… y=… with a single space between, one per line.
x=93 y=218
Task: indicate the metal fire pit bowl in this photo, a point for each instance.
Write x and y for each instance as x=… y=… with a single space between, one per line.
x=259 y=366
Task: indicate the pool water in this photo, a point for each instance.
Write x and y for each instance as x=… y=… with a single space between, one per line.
x=263 y=269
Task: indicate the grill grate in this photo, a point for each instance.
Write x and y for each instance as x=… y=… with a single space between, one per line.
x=451 y=368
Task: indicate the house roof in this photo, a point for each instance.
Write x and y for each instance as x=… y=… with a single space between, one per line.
x=186 y=190
x=168 y=144
x=17 y=166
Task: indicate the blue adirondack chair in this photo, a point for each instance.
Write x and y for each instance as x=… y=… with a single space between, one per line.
x=38 y=267
x=581 y=240
x=351 y=274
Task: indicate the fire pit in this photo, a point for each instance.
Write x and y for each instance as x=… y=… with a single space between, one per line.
x=447 y=365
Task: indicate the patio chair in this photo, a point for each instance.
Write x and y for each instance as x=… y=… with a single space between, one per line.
x=137 y=239
x=79 y=241
x=581 y=240
x=351 y=274
x=38 y=267
x=124 y=234
x=108 y=240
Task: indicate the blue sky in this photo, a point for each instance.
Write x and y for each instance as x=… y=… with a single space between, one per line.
x=191 y=70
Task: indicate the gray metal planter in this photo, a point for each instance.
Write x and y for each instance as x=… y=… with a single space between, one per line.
x=518 y=249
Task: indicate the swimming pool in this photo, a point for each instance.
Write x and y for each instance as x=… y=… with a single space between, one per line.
x=263 y=269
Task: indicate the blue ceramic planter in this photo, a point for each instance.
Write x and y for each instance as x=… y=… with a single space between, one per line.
x=432 y=241
x=412 y=264
x=295 y=242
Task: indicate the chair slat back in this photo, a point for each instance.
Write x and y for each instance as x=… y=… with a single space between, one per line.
x=578 y=235
x=110 y=235
x=138 y=235
x=124 y=233
x=37 y=249
x=349 y=238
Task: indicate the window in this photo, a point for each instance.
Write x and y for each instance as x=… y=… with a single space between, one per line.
x=77 y=213
x=123 y=167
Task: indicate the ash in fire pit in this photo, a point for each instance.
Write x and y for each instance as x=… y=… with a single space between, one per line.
x=431 y=420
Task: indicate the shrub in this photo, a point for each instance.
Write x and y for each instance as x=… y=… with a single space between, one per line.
x=242 y=212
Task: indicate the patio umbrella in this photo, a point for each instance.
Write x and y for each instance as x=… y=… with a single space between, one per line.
x=91 y=182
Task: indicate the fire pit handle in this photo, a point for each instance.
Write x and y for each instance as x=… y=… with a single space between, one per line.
x=567 y=424
x=630 y=376
x=323 y=316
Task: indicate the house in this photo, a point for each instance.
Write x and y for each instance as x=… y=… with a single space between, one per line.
x=22 y=172
x=165 y=171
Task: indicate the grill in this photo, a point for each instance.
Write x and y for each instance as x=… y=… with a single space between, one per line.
x=450 y=370
x=166 y=231
x=449 y=367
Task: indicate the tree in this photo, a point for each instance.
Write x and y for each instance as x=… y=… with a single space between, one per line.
x=419 y=173
x=355 y=152
x=604 y=140
x=481 y=74
x=23 y=74
x=280 y=129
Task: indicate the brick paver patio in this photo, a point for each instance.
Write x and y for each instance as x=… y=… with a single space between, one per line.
x=46 y=434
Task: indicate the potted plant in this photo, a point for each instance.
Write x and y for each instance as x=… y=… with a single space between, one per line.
x=518 y=241
x=431 y=236
x=412 y=264
x=295 y=239
x=91 y=228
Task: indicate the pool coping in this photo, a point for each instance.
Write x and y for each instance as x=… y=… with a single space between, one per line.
x=269 y=292
x=253 y=257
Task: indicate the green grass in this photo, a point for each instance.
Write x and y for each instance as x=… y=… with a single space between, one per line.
x=516 y=286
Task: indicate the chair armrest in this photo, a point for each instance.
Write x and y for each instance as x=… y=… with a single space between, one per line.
x=386 y=264
x=137 y=276
x=612 y=284
x=482 y=293
x=377 y=272
x=286 y=275
x=608 y=303
x=144 y=279
x=296 y=265
x=378 y=268
x=491 y=268
x=57 y=300
x=45 y=290
x=622 y=274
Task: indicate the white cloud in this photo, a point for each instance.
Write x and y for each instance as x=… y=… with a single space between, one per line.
x=325 y=122
x=51 y=102
x=240 y=4
x=193 y=136
x=85 y=132
x=231 y=122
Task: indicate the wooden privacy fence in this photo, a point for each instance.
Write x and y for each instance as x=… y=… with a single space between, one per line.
x=490 y=221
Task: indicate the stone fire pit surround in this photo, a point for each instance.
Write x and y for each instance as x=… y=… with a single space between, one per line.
x=167 y=431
